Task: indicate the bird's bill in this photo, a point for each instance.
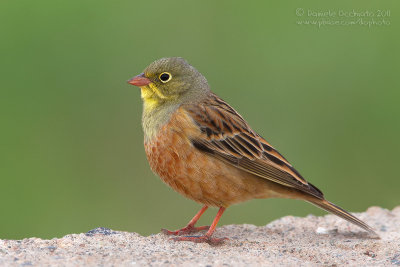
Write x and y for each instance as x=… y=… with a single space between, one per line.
x=139 y=80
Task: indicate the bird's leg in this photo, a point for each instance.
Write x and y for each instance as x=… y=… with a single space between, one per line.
x=207 y=237
x=189 y=228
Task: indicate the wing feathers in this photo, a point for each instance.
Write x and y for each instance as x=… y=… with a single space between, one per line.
x=228 y=137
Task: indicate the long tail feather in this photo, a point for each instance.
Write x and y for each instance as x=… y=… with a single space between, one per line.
x=330 y=207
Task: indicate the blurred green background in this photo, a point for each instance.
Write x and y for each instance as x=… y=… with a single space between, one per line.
x=71 y=144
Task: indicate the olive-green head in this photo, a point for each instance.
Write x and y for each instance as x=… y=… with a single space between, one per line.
x=170 y=79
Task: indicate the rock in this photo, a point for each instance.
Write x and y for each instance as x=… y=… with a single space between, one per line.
x=290 y=240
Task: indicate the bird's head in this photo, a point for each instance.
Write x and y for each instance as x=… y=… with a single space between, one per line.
x=170 y=80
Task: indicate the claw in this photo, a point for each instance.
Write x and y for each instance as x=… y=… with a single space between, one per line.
x=186 y=230
x=201 y=239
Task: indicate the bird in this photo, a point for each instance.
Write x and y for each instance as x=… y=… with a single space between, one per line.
x=203 y=149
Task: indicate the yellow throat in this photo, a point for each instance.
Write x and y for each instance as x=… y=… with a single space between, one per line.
x=157 y=109
x=152 y=97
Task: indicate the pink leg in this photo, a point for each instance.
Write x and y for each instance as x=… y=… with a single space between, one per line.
x=207 y=237
x=190 y=226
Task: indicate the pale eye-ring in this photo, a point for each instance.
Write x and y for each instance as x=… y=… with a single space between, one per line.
x=165 y=77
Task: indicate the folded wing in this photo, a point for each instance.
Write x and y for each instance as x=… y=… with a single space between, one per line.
x=226 y=136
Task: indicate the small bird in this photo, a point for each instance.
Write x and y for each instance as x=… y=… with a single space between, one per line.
x=202 y=148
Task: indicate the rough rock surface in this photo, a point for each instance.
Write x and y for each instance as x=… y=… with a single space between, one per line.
x=290 y=240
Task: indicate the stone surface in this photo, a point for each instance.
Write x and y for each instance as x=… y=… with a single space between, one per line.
x=290 y=240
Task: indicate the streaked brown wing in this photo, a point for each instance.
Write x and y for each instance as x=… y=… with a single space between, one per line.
x=228 y=137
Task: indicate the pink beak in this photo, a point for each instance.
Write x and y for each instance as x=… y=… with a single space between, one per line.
x=139 y=80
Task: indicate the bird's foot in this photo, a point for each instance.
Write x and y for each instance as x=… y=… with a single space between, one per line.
x=201 y=239
x=186 y=230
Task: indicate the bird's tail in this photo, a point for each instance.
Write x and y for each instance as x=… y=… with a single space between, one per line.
x=330 y=207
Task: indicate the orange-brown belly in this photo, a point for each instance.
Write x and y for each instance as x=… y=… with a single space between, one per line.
x=199 y=176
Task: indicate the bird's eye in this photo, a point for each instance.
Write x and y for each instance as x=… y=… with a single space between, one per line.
x=165 y=77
